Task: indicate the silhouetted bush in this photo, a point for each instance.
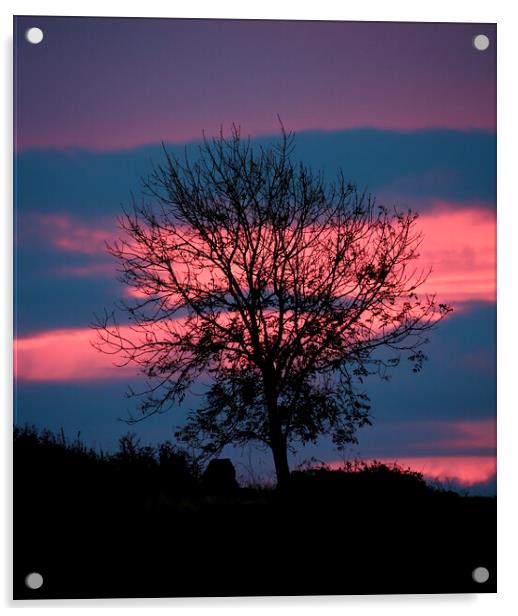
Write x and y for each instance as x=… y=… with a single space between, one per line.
x=50 y=465
x=373 y=479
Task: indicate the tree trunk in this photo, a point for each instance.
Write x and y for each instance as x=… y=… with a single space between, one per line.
x=280 y=457
x=278 y=442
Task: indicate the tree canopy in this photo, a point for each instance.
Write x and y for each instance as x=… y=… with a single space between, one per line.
x=278 y=288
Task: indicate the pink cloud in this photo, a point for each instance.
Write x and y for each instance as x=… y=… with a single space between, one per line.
x=69 y=354
x=464 y=435
x=68 y=234
x=460 y=246
x=465 y=470
x=64 y=355
x=447 y=436
x=480 y=433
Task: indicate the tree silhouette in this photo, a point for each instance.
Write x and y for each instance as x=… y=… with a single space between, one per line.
x=283 y=291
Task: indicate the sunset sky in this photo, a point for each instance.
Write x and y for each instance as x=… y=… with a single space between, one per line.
x=406 y=110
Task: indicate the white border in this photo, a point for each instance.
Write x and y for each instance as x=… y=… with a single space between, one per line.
x=500 y=11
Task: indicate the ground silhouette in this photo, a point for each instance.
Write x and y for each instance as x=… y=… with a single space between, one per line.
x=149 y=521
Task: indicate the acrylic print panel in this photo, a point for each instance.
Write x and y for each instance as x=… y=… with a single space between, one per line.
x=255 y=308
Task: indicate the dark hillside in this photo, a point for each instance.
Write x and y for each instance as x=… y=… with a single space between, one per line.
x=146 y=522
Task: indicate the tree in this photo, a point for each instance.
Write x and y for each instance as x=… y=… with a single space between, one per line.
x=279 y=289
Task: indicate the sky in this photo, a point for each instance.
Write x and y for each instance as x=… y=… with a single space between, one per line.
x=407 y=111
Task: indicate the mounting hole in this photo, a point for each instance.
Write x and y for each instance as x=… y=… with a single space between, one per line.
x=34 y=581
x=480 y=575
x=34 y=35
x=481 y=42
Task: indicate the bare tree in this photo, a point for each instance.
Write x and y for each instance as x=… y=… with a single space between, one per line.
x=281 y=290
